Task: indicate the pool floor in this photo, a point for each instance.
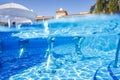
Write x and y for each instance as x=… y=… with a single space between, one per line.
x=64 y=64
x=72 y=67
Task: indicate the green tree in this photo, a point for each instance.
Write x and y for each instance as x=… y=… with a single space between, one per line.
x=107 y=9
x=92 y=8
x=119 y=4
x=106 y=6
x=100 y=6
x=113 y=6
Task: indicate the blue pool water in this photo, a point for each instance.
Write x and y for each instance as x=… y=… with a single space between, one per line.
x=71 y=48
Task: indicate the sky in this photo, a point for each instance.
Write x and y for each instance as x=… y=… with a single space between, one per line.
x=49 y=7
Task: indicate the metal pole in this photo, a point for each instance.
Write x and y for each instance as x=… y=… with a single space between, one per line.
x=50 y=42
x=117 y=52
x=50 y=45
x=78 y=41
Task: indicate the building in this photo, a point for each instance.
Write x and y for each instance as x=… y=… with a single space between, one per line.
x=41 y=18
x=81 y=14
x=14 y=14
x=84 y=13
x=61 y=12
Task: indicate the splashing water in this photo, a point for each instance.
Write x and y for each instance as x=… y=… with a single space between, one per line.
x=46 y=29
x=9 y=24
x=48 y=62
x=21 y=52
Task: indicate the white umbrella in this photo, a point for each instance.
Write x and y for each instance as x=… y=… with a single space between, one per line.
x=13 y=11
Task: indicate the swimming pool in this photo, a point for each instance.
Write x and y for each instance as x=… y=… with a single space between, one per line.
x=71 y=48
